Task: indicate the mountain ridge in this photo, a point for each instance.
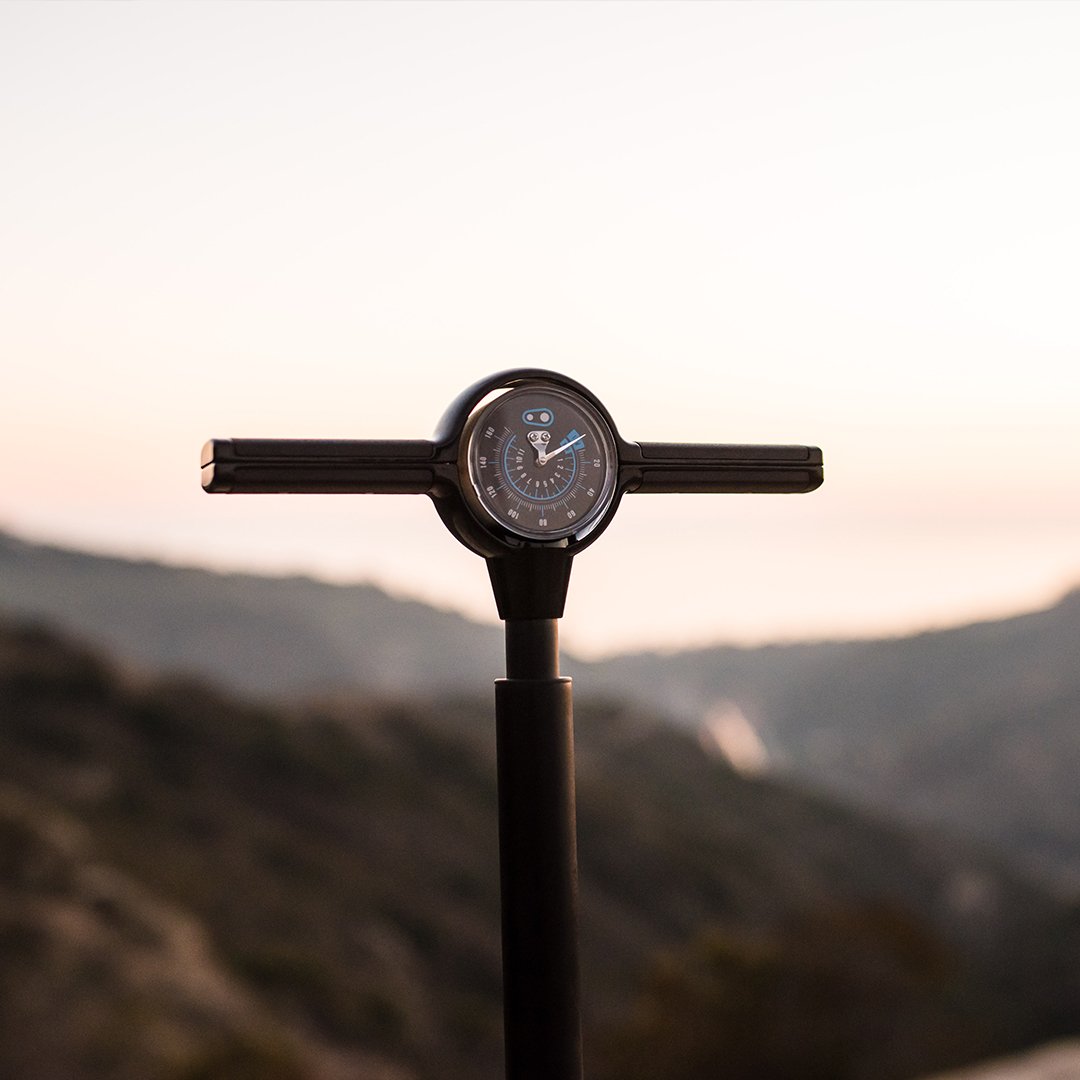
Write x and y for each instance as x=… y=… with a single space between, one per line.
x=267 y=636
x=969 y=728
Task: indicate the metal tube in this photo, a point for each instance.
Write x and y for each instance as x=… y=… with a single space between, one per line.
x=532 y=648
x=538 y=858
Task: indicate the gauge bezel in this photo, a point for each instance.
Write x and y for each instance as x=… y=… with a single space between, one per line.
x=473 y=486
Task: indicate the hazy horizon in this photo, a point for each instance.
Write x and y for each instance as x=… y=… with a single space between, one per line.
x=476 y=614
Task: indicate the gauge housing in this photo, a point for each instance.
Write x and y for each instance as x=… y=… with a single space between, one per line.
x=539 y=463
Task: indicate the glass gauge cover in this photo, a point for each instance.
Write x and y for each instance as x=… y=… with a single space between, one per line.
x=541 y=463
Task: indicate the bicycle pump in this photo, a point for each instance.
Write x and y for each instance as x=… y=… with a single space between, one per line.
x=526 y=469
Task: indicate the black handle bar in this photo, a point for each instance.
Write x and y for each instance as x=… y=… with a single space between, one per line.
x=319 y=466
x=700 y=467
x=412 y=467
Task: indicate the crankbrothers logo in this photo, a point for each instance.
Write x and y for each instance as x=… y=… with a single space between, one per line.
x=539 y=417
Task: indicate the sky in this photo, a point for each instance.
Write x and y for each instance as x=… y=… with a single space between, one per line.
x=854 y=226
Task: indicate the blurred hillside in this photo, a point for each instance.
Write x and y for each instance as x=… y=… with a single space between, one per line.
x=972 y=729
x=197 y=887
x=262 y=636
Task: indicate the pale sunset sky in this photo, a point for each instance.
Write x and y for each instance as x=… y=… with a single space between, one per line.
x=850 y=225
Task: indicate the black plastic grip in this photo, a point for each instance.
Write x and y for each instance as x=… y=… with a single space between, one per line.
x=319 y=466
x=695 y=467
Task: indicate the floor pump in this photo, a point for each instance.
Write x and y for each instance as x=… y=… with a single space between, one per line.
x=526 y=468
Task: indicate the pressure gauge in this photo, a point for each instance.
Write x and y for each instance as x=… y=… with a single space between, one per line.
x=541 y=463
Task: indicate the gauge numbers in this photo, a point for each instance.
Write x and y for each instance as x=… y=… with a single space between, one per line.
x=541 y=463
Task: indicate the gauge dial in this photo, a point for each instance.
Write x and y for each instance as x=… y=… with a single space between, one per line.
x=541 y=463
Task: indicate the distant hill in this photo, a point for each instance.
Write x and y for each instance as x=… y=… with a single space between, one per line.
x=196 y=887
x=972 y=728
x=977 y=728
x=263 y=636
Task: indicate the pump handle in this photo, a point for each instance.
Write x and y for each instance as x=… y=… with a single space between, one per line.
x=319 y=466
x=700 y=467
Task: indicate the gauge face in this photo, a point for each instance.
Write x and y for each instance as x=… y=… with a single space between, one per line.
x=541 y=463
